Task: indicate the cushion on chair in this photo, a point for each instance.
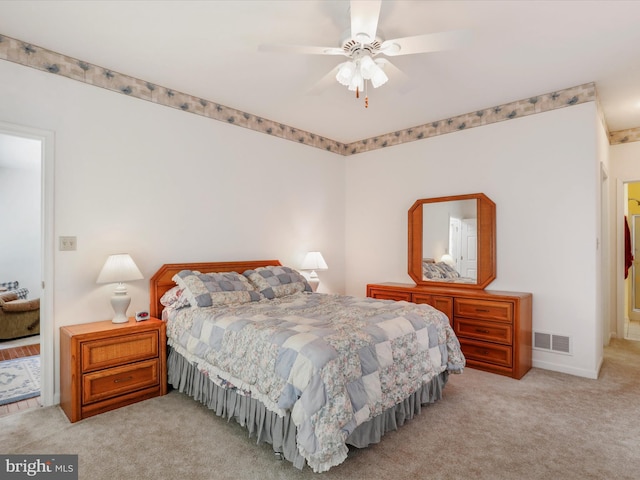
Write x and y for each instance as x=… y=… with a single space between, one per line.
x=7 y=297
x=21 y=305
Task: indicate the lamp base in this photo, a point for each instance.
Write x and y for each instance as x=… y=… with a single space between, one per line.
x=120 y=302
x=313 y=283
x=313 y=280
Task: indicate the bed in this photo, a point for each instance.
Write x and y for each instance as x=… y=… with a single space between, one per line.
x=308 y=373
x=442 y=272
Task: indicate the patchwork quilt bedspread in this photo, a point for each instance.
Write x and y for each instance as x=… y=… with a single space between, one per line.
x=332 y=361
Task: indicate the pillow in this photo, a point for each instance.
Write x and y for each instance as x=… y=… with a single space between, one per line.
x=440 y=270
x=7 y=297
x=431 y=271
x=10 y=285
x=208 y=289
x=447 y=270
x=276 y=281
x=174 y=298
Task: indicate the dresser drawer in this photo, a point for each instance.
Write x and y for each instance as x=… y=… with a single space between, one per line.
x=111 y=352
x=439 y=302
x=487 y=352
x=482 y=330
x=484 y=309
x=118 y=381
x=389 y=295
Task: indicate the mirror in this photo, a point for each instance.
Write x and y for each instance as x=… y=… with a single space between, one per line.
x=452 y=241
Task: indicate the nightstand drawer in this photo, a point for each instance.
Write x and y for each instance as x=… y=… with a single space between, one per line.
x=484 y=309
x=487 y=352
x=119 y=381
x=111 y=352
x=483 y=330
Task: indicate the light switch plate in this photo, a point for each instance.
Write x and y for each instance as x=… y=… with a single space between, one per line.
x=68 y=244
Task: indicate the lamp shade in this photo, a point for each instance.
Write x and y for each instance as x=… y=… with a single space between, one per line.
x=448 y=259
x=118 y=268
x=314 y=261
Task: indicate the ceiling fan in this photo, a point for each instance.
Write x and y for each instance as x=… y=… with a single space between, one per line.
x=364 y=45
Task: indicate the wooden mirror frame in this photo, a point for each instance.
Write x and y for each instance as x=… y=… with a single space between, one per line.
x=486 y=211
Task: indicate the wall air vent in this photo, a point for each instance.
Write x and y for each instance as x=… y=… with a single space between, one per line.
x=552 y=343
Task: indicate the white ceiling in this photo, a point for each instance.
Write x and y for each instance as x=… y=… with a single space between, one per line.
x=210 y=49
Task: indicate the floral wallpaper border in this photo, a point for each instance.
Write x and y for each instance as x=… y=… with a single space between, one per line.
x=624 y=136
x=24 y=53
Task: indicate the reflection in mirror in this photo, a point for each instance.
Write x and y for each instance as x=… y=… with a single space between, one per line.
x=452 y=241
x=449 y=241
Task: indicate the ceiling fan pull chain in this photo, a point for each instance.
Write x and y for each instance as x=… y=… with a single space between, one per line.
x=366 y=94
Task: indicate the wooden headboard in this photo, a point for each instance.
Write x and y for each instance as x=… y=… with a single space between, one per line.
x=161 y=280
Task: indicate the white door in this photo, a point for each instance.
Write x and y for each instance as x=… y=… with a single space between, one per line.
x=454 y=241
x=469 y=248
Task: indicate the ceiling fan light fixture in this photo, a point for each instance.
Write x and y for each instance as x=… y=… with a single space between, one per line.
x=378 y=78
x=345 y=73
x=357 y=82
x=367 y=67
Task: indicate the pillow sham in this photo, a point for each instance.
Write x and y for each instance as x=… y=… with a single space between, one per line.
x=276 y=281
x=174 y=297
x=440 y=270
x=447 y=270
x=208 y=289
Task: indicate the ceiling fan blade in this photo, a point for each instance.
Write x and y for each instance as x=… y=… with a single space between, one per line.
x=364 y=19
x=397 y=77
x=325 y=82
x=429 y=42
x=280 y=47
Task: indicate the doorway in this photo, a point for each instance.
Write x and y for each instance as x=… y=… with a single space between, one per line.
x=632 y=262
x=41 y=283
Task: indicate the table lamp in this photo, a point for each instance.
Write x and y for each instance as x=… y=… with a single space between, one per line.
x=119 y=268
x=314 y=261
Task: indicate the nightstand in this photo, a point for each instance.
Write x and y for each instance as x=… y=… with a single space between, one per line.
x=105 y=365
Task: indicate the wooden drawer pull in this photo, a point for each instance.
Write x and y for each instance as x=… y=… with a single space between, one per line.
x=482 y=330
x=126 y=379
x=483 y=310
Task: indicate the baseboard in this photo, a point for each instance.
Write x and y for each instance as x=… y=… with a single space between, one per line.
x=578 y=372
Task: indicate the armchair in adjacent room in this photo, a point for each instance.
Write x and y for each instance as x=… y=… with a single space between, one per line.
x=19 y=317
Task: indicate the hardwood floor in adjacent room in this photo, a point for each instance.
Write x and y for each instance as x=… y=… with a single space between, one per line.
x=10 y=354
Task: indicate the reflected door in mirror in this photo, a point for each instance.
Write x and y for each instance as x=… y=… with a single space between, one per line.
x=449 y=240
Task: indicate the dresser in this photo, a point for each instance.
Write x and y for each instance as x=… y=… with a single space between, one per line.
x=494 y=327
x=105 y=365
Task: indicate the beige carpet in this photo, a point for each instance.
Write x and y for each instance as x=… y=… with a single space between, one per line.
x=546 y=426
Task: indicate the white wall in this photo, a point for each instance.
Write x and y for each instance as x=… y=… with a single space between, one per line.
x=20 y=240
x=169 y=186
x=540 y=172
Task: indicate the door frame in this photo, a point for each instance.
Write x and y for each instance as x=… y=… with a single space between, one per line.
x=47 y=168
